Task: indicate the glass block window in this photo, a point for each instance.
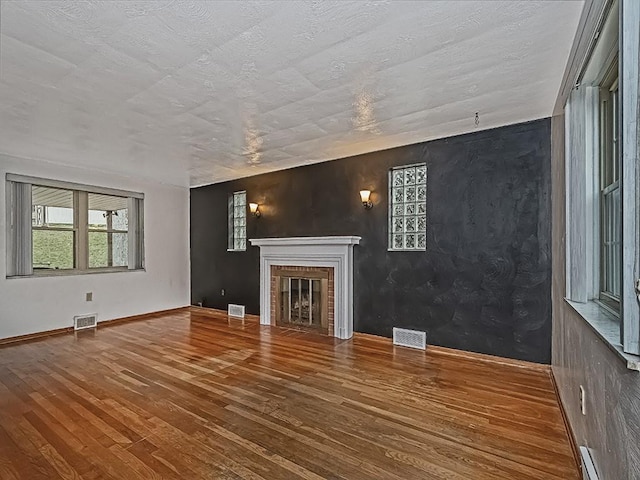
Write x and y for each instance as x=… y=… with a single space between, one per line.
x=237 y=233
x=408 y=207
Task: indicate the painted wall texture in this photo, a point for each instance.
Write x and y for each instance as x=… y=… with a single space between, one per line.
x=483 y=284
x=611 y=427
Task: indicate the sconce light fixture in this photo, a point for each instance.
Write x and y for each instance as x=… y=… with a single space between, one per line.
x=365 y=196
x=254 y=208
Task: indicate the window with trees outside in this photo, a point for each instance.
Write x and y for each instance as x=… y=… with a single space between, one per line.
x=57 y=227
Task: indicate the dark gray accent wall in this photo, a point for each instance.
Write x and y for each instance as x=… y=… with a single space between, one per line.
x=483 y=284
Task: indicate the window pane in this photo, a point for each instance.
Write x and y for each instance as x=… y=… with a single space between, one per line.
x=240 y=198
x=398 y=178
x=398 y=195
x=611 y=242
x=53 y=249
x=108 y=249
x=230 y=216
x=409 y=176
x=107 y=212
x=52 y=222
x=410 y=241
x=615 y=154
x=52 y=207
x=98 y=249
x=120 y=249
x=610 y=208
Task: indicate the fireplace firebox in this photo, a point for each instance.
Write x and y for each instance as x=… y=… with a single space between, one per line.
x=301 y=298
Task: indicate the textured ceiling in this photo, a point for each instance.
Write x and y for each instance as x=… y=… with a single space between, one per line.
x=194 y=92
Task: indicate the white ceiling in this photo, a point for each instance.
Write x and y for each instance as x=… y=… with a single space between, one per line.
x=195 y=92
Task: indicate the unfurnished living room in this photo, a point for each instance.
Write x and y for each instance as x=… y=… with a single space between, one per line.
x=320 y=239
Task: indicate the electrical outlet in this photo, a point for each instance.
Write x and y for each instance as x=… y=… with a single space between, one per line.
x=89 y=296
x=583 y=401
x=222 y=292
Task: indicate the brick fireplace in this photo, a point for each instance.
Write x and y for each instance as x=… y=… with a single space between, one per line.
x=296 y=270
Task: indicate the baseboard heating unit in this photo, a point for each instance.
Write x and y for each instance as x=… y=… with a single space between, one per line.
x=588 y=468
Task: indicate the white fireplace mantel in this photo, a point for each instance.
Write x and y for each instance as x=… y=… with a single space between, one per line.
x=335 y=252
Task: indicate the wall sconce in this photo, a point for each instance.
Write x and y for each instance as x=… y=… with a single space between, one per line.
x=365 y=196
x=254 y=208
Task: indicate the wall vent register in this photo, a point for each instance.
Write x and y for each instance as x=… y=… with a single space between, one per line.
x=236 y=311
x=410 y=338
x=82 y=322
x=408 y=207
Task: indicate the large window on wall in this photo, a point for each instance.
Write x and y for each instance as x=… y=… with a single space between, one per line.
x=602 y=186
x=237 y=222
x=408 y=208
x=610 y=205
x=59 y=228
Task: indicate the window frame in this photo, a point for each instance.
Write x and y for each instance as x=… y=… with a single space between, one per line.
x=609 y=165
x=135 y=233
x=74 y=229
x=415 y=215
x=231 y=217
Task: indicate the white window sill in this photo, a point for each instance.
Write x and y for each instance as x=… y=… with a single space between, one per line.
x=607 y=326
x=69 y=273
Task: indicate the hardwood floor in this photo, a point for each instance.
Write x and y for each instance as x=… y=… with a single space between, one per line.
x=187 y=396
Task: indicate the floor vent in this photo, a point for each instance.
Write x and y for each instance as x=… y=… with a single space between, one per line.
x=236 y=310
x=409 y=338
x=588 y=468
x=80 y=322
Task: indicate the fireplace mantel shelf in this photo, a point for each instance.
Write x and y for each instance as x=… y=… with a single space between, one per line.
x=332 y=251
x=305 y=241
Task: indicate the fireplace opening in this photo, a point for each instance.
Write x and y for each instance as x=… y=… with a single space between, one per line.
x=302 y=299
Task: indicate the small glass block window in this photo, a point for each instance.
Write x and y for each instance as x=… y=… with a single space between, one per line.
x=237 y=226
x=408 y=207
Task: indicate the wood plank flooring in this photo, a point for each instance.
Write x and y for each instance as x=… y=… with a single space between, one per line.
x=187 y=396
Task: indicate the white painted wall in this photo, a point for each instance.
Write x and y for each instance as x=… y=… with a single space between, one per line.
x=29 y=305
